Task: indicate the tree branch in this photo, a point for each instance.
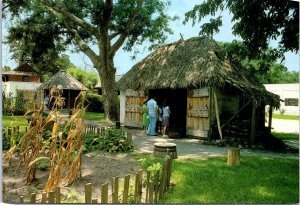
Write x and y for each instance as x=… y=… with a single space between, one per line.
x=78 y=40
x=124 y=35
x=61 y=8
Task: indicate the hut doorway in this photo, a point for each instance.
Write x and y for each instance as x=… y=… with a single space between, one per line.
x=177 y=101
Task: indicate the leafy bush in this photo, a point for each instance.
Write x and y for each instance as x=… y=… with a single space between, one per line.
x=7 y=103
x=95 y=102
x=113 y=140
x=20 y=103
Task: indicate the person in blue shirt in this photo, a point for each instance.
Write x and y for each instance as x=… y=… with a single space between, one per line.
x=153 y=115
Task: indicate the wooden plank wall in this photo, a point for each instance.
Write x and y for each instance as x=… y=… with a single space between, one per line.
x=133 y=105
x=198 y=105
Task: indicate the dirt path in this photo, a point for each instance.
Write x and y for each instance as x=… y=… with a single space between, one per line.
x=191 y=148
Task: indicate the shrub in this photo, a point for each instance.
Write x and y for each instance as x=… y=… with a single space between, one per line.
x=95 y=102
x=113 y=140
x=19 y=104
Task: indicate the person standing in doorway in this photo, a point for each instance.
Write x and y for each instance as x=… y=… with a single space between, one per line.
x=46 y=102
x=166 y=117
x=153 y=114
x=145 y=121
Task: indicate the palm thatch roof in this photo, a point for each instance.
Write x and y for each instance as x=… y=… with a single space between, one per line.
x=64 y=79
x=192 y=63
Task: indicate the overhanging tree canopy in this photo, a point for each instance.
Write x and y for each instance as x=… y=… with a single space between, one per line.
x=107 y=25
x=255 y=21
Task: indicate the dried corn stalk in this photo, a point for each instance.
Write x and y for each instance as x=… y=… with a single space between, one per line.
x=62 y=149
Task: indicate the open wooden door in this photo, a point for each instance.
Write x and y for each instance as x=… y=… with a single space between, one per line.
x=133 y=105
x=198 y=105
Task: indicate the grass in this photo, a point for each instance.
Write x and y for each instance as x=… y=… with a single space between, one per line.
x=94 y=116
x=285 y=117
x=258 y=180
x=286 y=136
x=14 y=121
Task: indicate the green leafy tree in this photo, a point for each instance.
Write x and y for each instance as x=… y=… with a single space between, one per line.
x=6 y=68
x=263 y=68
x=89 y=79
x=105 y=24
x=255 y=21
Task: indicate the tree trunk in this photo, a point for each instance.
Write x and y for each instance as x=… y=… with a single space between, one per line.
x=109 y=92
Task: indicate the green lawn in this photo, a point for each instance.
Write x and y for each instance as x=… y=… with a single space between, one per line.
x=286 y=136
x=95 y=116
x=285 y=117
x=21 y=121
x=257 y=180
x=14 y=121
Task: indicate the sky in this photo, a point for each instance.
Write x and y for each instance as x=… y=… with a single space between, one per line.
x=124 y=61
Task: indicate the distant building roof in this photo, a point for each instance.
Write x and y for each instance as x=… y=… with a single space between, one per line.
x=64 y=79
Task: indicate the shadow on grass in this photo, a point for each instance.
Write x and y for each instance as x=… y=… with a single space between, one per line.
x=256 y=180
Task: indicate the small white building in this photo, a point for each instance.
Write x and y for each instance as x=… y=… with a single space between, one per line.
x=22 y=78
x=289 y=94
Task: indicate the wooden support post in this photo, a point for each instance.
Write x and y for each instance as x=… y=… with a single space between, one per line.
x=115 y=190
x=104 y=193
x=57 y=195
x=217 y=116
x=88 y=193
x=69 y=99
x=126 y=189
x=233 y=157
x=253 y=123
x=270 y=117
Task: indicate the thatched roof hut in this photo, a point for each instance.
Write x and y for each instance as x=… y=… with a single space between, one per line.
x=70 y=86
x=191 y=64
x=203 y=88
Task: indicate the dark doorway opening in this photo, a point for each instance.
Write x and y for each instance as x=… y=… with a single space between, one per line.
x=177 y=101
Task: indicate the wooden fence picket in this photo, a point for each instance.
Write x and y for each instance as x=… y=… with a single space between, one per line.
x=115 y=190
x=21 y=199
x=51 y=197
x=147 y=186
x=33 y=198
x=57 y=195
x=156 y=184
x=88 y=192
x=44 y=198
x=126 y=189
x=104 y=193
